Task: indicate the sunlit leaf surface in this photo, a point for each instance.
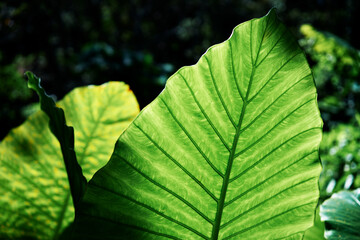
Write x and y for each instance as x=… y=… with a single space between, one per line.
x=35 y=198
x=229 y=149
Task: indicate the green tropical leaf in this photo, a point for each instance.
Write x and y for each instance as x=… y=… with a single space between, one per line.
x=341 y=214
x=316 y=232
x=229 y=149
x=35 y=198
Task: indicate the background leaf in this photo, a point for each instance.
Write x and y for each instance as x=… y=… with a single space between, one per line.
x=35 y=198
x=229 y=150
x=340 y=158
x=341 y=214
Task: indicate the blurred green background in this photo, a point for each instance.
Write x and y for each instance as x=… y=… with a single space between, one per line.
x=74 y=43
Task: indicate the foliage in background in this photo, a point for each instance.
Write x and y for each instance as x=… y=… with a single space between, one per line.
x=35 y=199
x=340 y=156
x=341 y=214
x=336 y=69
x=337 y=74
x=75 y=43
x=14 y=95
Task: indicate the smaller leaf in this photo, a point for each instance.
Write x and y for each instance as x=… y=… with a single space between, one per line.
x=65 y=135
x=341 y=214
x=35 y=200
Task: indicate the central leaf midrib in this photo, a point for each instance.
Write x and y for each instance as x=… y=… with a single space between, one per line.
x=221 y=202
x=220 y=207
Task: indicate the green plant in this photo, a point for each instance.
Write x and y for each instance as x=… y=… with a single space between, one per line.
x=340 y=157
x=341 y=214
x=316 y=232
x=228 y=150
x=14 y=95
x=35 y=199
x=336 y=72
x=336 y=67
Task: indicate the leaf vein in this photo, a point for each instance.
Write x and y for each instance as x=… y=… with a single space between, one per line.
x=192 y=140
x=166 y=189
x=272 y=151
x=251 y=55
x=268 y=178
x=289 y=235
x=233 y=71
x=283 y=33
x=205 y=115
x=274 y=127
x=179 y=165
x=266 y=200
x=276 y=72
x=39 y=128
x=36 y=186
x=268 y=107
x=261 y=42
x=152 y=210
x=269 y=219
x=132 y=226
x=25 y=216
x=219 y=94
x=30 y=202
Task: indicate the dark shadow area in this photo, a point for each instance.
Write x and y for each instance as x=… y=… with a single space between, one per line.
x=74 y=43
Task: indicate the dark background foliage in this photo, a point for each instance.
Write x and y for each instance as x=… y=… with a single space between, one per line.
x=73 y=43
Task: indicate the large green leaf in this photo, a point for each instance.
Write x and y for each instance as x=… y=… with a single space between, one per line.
x=229 y=149
x=35 y=198
x=341 y=214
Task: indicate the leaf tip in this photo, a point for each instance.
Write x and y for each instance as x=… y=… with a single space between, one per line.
x=33 y=80
x=272 y=13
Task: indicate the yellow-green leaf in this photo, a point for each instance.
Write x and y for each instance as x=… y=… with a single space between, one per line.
x=35 y=198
